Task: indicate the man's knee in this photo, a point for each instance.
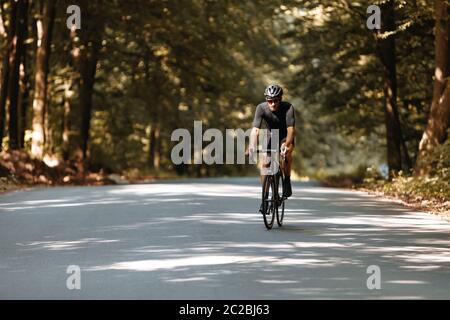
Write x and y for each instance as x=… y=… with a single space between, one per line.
x=264 y=163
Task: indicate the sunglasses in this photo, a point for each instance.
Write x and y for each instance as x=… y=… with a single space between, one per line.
x=273 y=100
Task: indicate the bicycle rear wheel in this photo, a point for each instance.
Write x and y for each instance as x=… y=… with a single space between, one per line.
x=280 y=204
x=269 y=201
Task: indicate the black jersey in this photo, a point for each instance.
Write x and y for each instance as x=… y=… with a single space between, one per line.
x=280 y=119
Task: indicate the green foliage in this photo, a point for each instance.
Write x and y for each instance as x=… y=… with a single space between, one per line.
x=439 y=162
x=433 y=188
x=418 y=188
x=335 y=72
x=164 y=64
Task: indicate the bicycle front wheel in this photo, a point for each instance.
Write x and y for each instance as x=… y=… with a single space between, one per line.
x=269 y=201
x=280 y=204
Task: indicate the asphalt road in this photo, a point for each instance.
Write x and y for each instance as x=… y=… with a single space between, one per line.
x=203 y=239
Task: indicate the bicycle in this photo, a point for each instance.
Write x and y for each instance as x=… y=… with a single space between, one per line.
x=273 y=183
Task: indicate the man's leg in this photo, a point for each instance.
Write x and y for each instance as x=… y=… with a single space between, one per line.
x=264 y=165
x=287 y=172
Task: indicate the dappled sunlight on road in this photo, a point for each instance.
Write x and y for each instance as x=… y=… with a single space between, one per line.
x=63 y=245
x=187 y=279
x=198 y=189
x=150 y=265
x=46 y=202
x=71 y=202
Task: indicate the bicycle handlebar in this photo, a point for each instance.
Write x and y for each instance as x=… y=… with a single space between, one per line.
x=266 y=151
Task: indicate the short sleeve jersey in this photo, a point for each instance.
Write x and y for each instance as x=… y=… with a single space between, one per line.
x=280 y=119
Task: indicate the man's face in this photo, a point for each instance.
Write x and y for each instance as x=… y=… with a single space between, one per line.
x=273 y=103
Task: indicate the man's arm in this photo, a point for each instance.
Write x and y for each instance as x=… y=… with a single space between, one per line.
x=290 y=138
x=290 y=122
x=254 y=138
x=255 y=131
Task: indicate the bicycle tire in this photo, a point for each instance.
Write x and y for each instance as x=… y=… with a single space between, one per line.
x=269 y=201
x=280 y=187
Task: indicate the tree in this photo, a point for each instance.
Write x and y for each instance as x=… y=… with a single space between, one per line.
x=85 y=54
x=397 y=153
x=25 y=85
x=10 y=31
x=435 y=132
x=44 y=26
x=17 y=52
x=348 y=77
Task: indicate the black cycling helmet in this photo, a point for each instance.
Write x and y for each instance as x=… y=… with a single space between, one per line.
x=273 y=91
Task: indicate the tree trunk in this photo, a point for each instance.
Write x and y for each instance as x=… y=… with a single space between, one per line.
x=2 y=22
x=154 y=135
x=13 y=83
x=4 y=93
x=155 y=145
x=66 y=124
x=6 y=69
x=439 y=117
x=24 y=88
x=157 y=159
x=44 y=31
x=86 y=44
x=151 y=153
x=397 y=154
x=87 y=72
x=73 y=150
x=24 y=100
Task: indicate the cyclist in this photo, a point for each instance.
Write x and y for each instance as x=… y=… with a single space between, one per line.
x=277 y=114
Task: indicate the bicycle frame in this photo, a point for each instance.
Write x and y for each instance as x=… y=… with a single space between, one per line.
x=272 y=181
